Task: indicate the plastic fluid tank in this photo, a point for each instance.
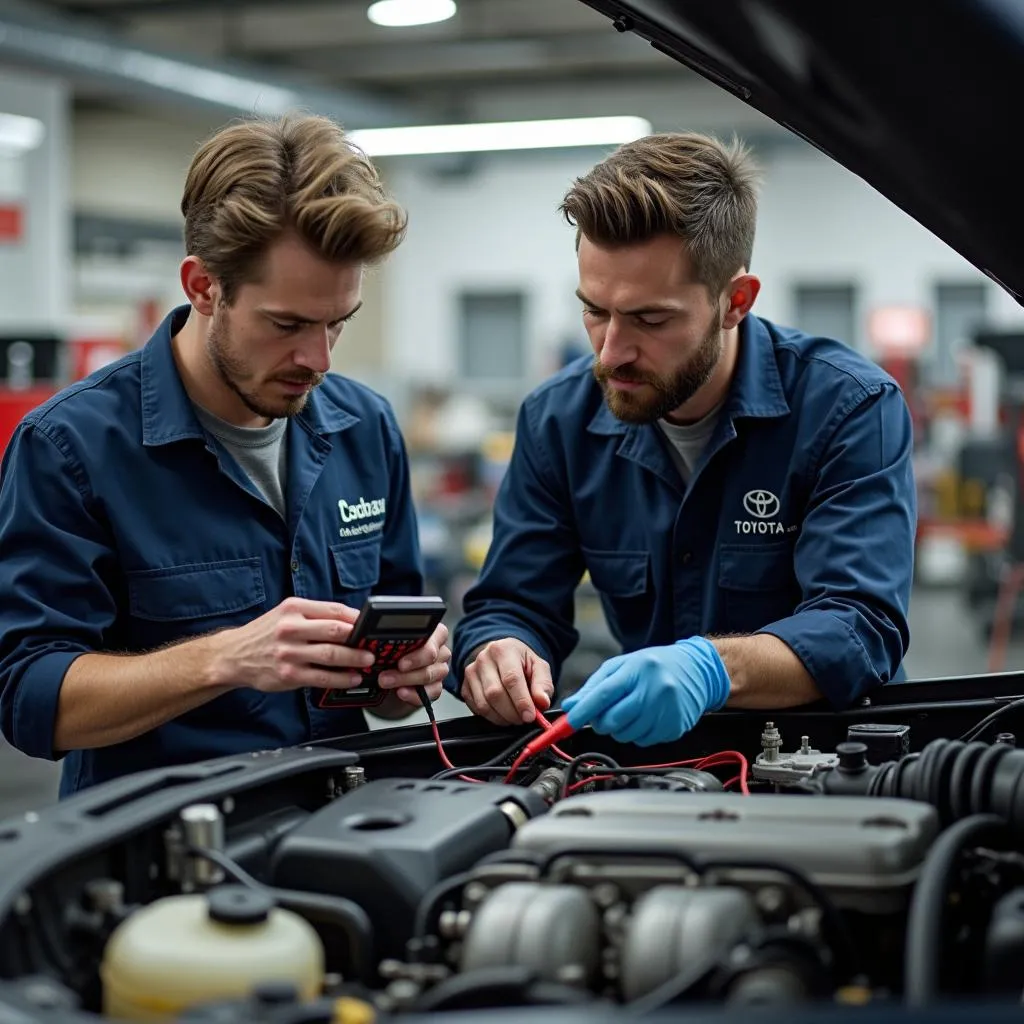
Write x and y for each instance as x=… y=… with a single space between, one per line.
x=183 y=950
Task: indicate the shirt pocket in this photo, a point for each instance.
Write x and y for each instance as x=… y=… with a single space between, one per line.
x=357 y=570
x=623 y=580
x=756 y=586
x=181 y=600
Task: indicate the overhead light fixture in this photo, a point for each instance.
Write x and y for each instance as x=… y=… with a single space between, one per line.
x=20 y=134
x=492 y=136
x=400 y=13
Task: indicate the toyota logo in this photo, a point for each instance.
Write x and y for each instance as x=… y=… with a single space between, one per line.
x=761 y=504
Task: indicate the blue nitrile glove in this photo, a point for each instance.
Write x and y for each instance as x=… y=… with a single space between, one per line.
x=654 y=695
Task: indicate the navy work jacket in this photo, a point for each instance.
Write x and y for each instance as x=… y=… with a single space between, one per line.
x=799 y=518
x=124 y=526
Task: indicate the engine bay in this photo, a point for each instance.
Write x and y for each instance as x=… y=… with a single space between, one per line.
x=787 y=861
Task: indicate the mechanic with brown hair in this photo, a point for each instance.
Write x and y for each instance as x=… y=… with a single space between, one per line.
x=741 y=493
x=187 y=535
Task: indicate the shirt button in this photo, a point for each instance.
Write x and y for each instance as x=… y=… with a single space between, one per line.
x=295 y=565
x=686 y=557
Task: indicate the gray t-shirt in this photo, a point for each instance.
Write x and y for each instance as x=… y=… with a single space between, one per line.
x=689 y=440
x=260 y=451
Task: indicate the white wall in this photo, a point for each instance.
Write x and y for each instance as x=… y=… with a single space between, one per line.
x=496 y=228
x=132 y=167
x=34 y=270
x=821 y=223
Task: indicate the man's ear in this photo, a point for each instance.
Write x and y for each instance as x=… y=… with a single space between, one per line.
x=740 y=294
x=200 y=287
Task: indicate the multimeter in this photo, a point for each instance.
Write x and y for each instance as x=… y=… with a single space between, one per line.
x=390 y=627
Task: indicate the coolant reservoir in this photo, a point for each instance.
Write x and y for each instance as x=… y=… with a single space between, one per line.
x=184 y=950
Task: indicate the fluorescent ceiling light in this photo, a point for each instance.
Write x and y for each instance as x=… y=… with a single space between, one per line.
x=498 y=135
x=20 y=133
x=398 y=13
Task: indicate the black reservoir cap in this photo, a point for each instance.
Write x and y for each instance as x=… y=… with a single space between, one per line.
x=884 y=742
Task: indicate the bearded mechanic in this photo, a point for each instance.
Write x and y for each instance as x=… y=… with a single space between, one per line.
x=186 y=536
x=740 y=493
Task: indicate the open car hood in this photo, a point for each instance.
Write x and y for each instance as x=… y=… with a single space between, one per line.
x=918 y=99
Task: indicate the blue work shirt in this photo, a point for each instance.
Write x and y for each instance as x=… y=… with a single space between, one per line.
x=798 y=520
x=124 y=526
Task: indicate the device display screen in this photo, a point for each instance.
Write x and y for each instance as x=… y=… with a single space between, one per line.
x=408 y=620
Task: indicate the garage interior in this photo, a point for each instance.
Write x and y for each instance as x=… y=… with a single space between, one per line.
x=476 y=310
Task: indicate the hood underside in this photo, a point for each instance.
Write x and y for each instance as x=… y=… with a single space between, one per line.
x=915 y=98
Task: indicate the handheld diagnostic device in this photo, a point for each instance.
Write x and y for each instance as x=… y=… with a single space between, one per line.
x=390 y=627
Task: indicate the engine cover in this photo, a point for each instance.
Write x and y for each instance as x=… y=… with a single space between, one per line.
x=865 y=852
x=387 y=843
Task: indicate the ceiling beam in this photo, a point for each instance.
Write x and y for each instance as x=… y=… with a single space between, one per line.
x=118 y=9
x=486 y=58
x=31 y=37
x=300 y=23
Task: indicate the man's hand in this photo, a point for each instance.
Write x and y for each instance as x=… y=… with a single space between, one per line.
x=507 y=682
x=651 y=696
x=299 y=643
x=427 y=667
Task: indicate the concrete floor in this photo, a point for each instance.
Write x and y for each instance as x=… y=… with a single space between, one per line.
x=946 y=641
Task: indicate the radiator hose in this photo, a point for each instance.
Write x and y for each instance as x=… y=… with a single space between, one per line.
x=958 y=779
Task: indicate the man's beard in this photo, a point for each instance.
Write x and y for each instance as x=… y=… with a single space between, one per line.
x=234 y=374
x=664 y=393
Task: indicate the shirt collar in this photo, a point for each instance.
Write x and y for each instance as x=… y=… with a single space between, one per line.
x=755 y=392
x=167 y=411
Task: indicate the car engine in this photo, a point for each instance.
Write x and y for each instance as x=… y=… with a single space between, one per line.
x=299 y=885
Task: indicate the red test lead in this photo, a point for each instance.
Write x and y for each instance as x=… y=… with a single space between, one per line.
x=559 y=731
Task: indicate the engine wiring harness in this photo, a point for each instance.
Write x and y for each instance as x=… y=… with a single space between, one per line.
x=539 y=755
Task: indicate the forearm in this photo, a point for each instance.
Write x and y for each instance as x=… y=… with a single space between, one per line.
x=764 y=673
x=107 y=699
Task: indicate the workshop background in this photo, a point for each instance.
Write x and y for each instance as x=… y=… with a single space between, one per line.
x=102 y=103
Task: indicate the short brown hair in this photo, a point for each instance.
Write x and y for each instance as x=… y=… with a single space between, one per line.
x=257 y=179
x=684 y=184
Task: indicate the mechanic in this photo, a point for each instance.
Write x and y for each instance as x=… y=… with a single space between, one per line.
x=740 y=493
x=187 y=535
